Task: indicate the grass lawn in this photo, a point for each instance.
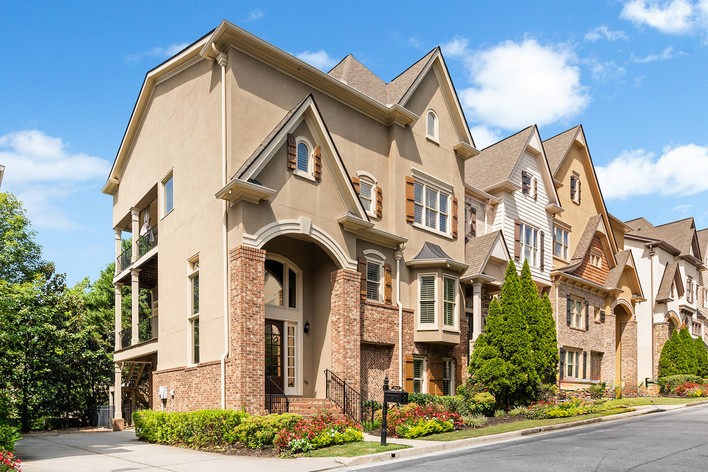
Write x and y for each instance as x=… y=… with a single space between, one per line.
x=653 y=401
x=354 y=449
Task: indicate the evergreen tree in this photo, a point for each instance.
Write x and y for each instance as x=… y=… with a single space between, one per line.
x=701 y=357
x=678 y=356
x=502 y=358
x=548 y=343
x=669 y=358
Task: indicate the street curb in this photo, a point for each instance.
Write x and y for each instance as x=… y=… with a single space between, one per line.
x=463 y=443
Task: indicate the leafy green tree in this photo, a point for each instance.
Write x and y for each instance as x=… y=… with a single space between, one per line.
x=701 y=357
x=20 y=255
x=502 y=357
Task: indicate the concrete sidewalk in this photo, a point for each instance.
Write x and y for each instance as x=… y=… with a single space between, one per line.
x=108 y=451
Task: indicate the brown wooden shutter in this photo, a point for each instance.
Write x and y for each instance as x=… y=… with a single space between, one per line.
x=408 y=373
x=568 y=310
x=388 y=290
x=454 y=217
x=435 y=377
x=587 y=316
x=473 y=223
x=543 y=250
x=562 y=363
x=585 y=365
x=318 y=163
x=362 y=272
x=578 y=189
x=292 y=152
x=355 y=183
x=535 y=189
x=410 y=199
x=458 y=375
x=517 y=239
x=379 y=201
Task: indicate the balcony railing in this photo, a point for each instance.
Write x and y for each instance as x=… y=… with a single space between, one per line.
x=123 y=260
x=147 y=241
x=147 y=330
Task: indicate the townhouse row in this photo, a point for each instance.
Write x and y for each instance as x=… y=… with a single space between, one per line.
x=299 y=234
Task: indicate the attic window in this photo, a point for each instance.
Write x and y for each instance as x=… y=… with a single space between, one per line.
x=431 y=130
x=596 y=259
x=303 y=157
x=575 y=188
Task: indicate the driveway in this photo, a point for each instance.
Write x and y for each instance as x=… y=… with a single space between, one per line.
x=106 y=451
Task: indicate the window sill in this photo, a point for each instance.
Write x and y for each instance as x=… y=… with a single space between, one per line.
x=432 y=230
x=372 y=214
x=304 y=175
x=167 y=214
x=577 y=329
x=451 y=329
x=432 y=139
x=427 y=327
x=378 y=303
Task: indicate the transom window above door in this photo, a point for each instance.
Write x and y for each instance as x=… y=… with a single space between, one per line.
x=280 y=284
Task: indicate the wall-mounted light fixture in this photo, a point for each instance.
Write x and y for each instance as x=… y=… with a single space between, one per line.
x=307 y=327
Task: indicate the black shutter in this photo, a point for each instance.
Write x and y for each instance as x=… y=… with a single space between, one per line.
x=568 y=310
x=543 y=250
x=562 y=362
x=587 y=316
x=585 y=365
x=602 y=316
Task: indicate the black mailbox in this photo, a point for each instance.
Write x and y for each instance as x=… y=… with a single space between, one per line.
x=396 y=396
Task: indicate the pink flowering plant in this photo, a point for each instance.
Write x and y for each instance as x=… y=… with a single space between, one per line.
x=413 y=420
x=321 y=431
x=8 y=462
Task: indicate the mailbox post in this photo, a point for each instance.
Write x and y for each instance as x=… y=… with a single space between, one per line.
x=398 y=396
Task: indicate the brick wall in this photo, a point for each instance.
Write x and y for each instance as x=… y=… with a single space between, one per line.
x=588 y=271
x=346 y=326
x=245 y=384
x=629 y=354
x=376 y=363
x=195 y=388
x=379 y=323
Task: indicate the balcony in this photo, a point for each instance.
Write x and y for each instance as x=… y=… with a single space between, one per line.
x=147 y=331
x=147 y=241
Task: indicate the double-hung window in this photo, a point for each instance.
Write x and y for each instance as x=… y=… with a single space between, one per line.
x=572 y=364
x=561 y=237
x=575 y=188
x=168 y=202
x=449 y=300
x=374 y=279
x=426 y=299
x=529 y=244
x=432 y=207
x=448 y=381
x=194 y=310
x=431 y=128
x=689 y=289
x=577 y=313
x=418 y=375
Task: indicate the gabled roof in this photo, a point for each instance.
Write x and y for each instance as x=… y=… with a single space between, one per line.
x=703 y=241
x=594 y=225
x=625 y=260
x=671 y=275
x=308 y=112
x=680 y=234
x=479 y=250
x=494 y=166
x=557 y=147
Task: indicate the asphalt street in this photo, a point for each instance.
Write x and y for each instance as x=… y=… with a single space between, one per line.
x=668 y=441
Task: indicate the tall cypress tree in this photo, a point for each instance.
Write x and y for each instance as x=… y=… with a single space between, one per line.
x=548 y=343
x=530 y=305
x=502 y=357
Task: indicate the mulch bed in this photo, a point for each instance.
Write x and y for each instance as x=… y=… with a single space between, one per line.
x=240 y=450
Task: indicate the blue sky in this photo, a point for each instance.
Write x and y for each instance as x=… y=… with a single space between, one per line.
x=634 y=73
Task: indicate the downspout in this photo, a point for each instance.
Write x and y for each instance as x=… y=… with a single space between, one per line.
x=398 y=256
x=222 y=59
x=651 y=307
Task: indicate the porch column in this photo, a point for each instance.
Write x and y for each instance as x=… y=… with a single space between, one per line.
x=118 y=310
x=346 y=327
x=476 y=309
x=135 y=304
x=246 y=370
x=118 y=250
x=135 y=228
x=118 y=422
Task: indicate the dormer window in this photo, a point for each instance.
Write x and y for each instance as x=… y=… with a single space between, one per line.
x=431 y=130
x=370 y=193
x=303 y=157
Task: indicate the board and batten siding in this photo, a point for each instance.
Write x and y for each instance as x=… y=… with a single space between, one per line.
x=529 y=211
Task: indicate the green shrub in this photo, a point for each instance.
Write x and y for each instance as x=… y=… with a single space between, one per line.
x=475 y=421
x=9 y=435
x=411 y=414
x=423 y=427
x=482 y=403
x=422 y=398
x=256 y=432
x=518 y=411
x=320 y=431
x=596 y=391
x=194 y=429
x=669 y=383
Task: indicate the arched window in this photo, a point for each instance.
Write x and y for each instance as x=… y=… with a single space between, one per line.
x=431 y=130
x=303 y=156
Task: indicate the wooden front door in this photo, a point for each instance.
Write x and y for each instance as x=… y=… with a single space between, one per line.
x=274 y=353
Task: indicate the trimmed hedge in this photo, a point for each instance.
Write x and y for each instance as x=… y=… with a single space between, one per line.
x=257 y=432
x=9 y=435
x=669 y=383
x=193 y=429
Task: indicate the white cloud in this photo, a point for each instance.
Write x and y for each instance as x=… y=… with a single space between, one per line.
x=603 y=71
x=255 y=15
x=319 y=59
x=665 y=55
x=603 y=32
x=415 y=42
x=671 y=17
x=485 y=136
x=679 y=171
x=159 y=52
x=517 y=84
x=42 y=171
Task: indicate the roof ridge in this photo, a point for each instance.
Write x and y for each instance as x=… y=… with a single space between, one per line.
x=508 y=137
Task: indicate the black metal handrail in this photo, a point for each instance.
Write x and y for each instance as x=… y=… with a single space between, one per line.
x=126 y=337
x=123 y=261
x=147 y=329
x=344 y=396
x=275 y=399
x=147 y=241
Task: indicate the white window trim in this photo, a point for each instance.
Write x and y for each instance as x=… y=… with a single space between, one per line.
x=439 y=186
x=577 y=367
x=436 y=128
x=371 y=211
x=573 y=314
x=453 y=387
x=434 y=325
x=373 y=256
x=455 y=311
x=423 y=374
x=596 y=258
x=163 y=198
x=575 y=198
x=567 y=247
x=309 y=174
x=535 y=249
x=191 y=316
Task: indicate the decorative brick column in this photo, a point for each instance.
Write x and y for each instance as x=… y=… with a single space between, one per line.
x=661 y=335
x=245 y=385
x=346 y=327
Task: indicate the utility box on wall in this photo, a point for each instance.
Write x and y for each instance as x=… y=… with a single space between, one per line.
x=162 y=393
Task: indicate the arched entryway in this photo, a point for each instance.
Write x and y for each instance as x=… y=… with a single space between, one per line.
x=625 y=345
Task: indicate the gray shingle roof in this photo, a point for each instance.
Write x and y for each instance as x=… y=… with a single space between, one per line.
x=477 y=252
x=557 y=147
x=495 y=163
x=678 y=234
x=431 y=251
x=703 y=241
x=614 y=275
x=664 y=292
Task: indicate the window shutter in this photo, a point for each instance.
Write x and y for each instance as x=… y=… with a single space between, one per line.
x=602 y=316
x=473 y=225
x=568 y=310
x=543 y=250
x=435 y=378
x=379 y=201
x=585 y=365
x=454 y=216
x=578 y=190
x=362 y=272
x=517 y=239
x=458 y=375
x=408 y=374
x=318 y=163
x=388 y=285
x=410 y=199
x=355 y=183
x=535 y=189
x=292 y=154
x=587 y=316
x=562 y=362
